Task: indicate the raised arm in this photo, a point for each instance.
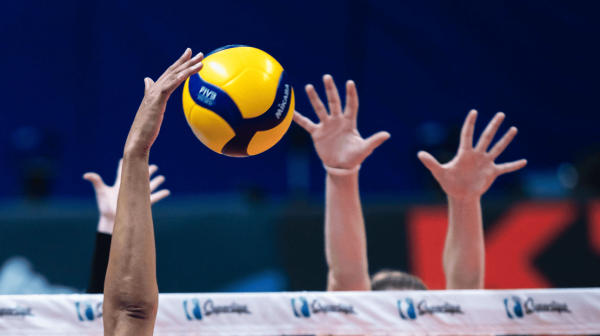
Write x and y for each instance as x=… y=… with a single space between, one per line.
x=465 y=179
x=342 y=150
x=106 y=198
x=131 y=290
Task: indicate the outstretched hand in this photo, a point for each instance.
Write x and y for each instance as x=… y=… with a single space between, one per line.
x=472 y=171
x=149 y=117
x=336 y=138
x=106 y=196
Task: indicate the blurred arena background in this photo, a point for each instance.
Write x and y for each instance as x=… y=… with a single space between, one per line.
x=72 y=79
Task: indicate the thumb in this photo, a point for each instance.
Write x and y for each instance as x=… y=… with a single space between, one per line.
x=376 y=140
x=95 y=179
x=148 y=83
x=429 y=161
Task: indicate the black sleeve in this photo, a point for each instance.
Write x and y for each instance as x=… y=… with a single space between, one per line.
x=99 y=263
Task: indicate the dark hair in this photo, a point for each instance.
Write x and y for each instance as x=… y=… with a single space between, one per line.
x=388 y=279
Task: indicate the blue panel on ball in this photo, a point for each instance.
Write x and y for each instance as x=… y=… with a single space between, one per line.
x=212 y=98
x=280 y=107
x=224 y=48
x=215 y=99
x=238 y=146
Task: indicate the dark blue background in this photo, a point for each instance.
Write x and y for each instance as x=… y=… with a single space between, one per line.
x=75 y=69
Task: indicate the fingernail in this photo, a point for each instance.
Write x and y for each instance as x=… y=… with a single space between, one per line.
x=198 y=56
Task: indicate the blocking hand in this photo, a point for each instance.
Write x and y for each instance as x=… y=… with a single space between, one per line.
x=336 y=138
x=106 y=196
x=149 y=117
x=472 y=171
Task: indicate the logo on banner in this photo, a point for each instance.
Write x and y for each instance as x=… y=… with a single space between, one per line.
x=302 y=308
x=516 y=309
x=88 y=310
x=409 y=311
x=195 y=311
x=17 y=311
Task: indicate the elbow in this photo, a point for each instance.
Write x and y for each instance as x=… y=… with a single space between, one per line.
x=139 y=307
x=141 y=311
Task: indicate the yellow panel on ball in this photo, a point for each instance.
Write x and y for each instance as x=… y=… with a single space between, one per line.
x=261 y=60
x=210 y=128
x=267 y=139
x=220 y=68
x=188 y=102
x=253 y=91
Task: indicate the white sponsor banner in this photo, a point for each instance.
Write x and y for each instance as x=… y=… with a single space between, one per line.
x=569 y=311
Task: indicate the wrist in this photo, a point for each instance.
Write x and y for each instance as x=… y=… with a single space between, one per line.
x=344 y=178
x=106 y=224
x=466 y=200
x=342 y=171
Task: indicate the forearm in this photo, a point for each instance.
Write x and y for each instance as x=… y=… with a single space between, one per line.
x=345 y=239
x=464 y=251
x=131 y=290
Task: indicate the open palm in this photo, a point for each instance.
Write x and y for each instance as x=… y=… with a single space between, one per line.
x=336 y=138
x=106 y=196
x=472 y=171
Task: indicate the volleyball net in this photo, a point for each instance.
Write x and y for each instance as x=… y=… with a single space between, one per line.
x=470 y=312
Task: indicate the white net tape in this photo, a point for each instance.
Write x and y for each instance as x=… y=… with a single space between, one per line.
x=568 y=311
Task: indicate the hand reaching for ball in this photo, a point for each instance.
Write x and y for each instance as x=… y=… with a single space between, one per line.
x=336 y=138
x=472 y=171
x=149 y=116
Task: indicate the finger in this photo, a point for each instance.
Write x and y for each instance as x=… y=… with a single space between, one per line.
x=430 y=162
x=376 y=140
x=152 y=169
x=510 y=167
x=351 y=108
x=159 y=195
x=333 y=97
x=156 y=182
x=174 y=81
x=119 y=171
x=184 y=58
x=490 y=131
x=501 y=145
x=185 y=73
x=316 y=103
x=304 y=122
x=191 y=62
x=466 y=134
x=95 y=179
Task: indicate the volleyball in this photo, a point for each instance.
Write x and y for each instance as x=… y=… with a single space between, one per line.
x=241 y=102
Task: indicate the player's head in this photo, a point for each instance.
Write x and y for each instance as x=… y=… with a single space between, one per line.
x=388 y=279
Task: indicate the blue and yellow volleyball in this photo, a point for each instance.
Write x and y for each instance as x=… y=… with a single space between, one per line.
x=241 y=103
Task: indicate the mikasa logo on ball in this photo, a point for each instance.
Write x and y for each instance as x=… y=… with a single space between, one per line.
x=207 y=96
x=281 y=106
